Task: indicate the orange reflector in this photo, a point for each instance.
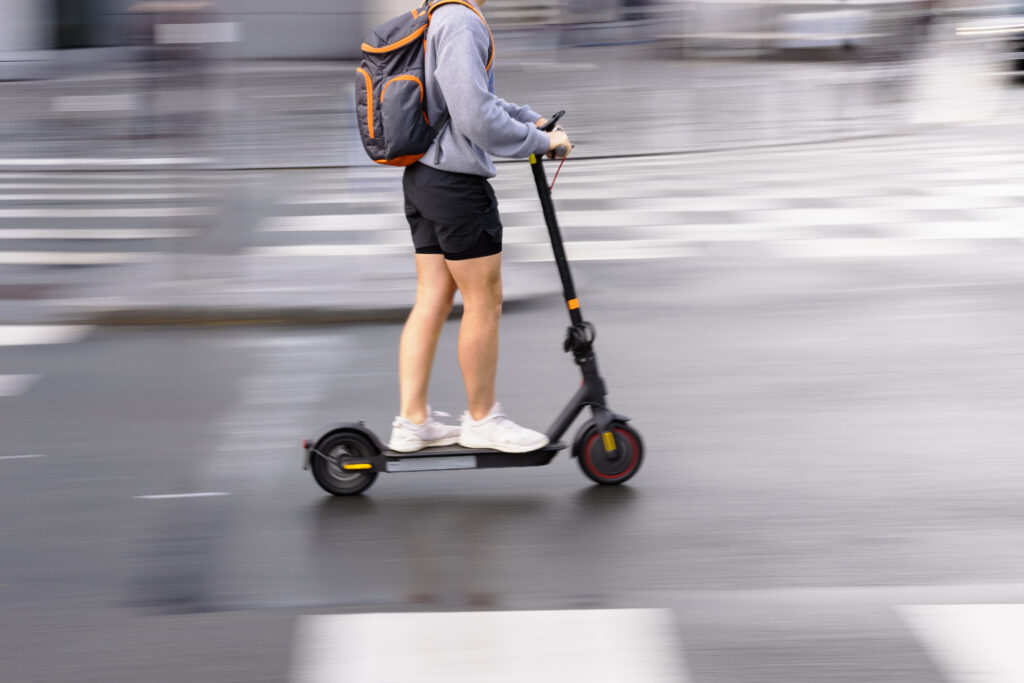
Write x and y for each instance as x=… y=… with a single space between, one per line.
x=533 y=158
x=609 y=442
x=574 y=304
x=357 y=466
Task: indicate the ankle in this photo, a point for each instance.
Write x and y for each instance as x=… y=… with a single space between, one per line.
x=416 y=417
x=476 y=413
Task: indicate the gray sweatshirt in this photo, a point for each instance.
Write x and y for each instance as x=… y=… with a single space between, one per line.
x=457 y=80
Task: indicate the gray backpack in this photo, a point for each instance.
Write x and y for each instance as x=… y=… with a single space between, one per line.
x=390 y=98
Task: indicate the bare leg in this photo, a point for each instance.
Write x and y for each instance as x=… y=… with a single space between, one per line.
x=435 y=290
x=479 y=280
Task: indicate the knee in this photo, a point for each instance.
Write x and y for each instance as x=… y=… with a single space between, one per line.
x=435 y=303
x=486 y=301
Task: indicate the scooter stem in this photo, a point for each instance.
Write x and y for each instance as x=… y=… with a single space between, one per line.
x=581 y=335
x=557 y=245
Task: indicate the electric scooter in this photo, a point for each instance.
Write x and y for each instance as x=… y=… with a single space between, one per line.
x=348 y=456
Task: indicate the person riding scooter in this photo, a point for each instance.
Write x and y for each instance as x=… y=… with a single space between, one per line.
x=457 y=234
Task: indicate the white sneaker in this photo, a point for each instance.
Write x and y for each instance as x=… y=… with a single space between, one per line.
x=500 y=433
x=407 y=436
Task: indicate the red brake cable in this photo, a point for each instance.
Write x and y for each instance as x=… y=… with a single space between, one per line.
x=559 y=169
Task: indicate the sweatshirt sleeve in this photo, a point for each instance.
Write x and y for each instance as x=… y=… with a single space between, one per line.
x=524 y=114
x=474 y=111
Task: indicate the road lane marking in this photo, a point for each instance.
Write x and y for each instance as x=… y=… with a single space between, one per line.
x=204 y=494
x=972 y=643
x=198 y=187
x=865 y=247
x=135 y=161
x=73 y=258
x=29 y=335
x=962 y=230
x=140 y=212
x=598 y=646
x=290 y=96
x=20 y=457
x=15 y=385
x=181 y=177
x=198 y=33
x=832 y=216
x=335 y=223
x=103 y=234
x=94 y=103
x=610 y=250
x=976 y=190
x=88 y=197
x=308 y=250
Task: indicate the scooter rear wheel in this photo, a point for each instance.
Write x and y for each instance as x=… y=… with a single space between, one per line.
x=610 y=468
x=327 y=469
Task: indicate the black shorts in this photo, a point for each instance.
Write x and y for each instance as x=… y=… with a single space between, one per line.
x=454 y=214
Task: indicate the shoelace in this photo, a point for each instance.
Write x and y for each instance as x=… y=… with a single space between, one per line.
x=502 y=422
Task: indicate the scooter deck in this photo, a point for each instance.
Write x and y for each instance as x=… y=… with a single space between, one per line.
x=460 y=458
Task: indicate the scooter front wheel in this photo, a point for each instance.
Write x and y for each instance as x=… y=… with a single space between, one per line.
x=327 y=462
x=609 y=466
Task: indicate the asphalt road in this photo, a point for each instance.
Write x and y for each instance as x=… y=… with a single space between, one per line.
x=820 y=346
x=828 y=442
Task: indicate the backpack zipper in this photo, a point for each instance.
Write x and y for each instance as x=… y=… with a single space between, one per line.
x=369 y=100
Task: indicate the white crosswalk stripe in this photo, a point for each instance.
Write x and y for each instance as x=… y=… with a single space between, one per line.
x=572 y=645
x=22 y=336
x=102 y=234
x=71 y=258
x=972 y=643
x=880 y=198
x=92 y=219
x=135 y=212
x=864 y=248
x=31 y=184
x=89 y=197
x=604 y=251
x=27 y=335
x=334 y=223
x=925 y=197
x=102 y=162
x=15 y=385
x=333 y=250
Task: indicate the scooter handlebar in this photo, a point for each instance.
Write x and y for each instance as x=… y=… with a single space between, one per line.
x=552 y=122
x=550 y=125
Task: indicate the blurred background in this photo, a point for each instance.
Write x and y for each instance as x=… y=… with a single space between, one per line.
x=248 y=83
x=796 y=224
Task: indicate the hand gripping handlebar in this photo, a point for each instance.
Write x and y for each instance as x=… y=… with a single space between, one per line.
x=551 y=124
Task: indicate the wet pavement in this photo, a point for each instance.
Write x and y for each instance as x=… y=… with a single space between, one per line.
x=828 y=444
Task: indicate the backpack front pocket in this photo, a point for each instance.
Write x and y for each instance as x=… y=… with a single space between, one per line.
x=406 y=129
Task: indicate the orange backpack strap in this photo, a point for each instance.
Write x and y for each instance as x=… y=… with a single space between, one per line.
x=470 y=5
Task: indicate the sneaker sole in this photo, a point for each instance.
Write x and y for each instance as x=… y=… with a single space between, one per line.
x=451 y=441
x=504 y=448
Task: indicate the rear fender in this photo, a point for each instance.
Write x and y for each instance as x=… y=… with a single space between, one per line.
x=309 y=446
